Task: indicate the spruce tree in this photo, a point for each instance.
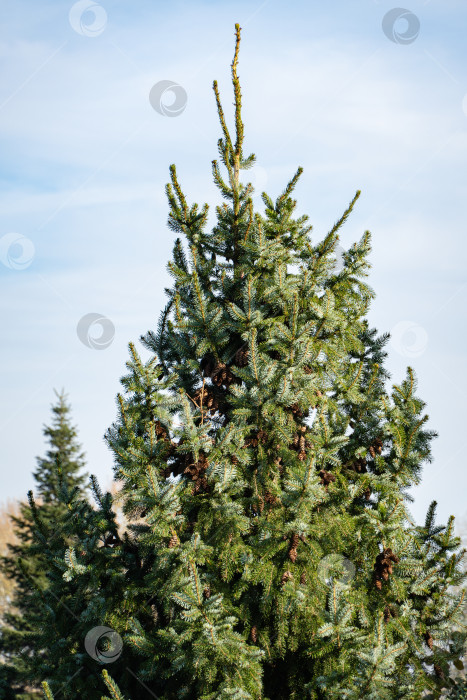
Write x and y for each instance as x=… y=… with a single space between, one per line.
x=25 y=563
x=264 y=466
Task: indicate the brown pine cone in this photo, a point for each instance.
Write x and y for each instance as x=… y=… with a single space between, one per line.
x=429 y=639
x=389 y=554
x=201 y=485
x=254 y=634
x=174 y=541
x=372 y=452
x=207 y=591
x=303 y=578
x=286 y=576
x=204 y=396
x=222 y=375
x=360 y=465
x=326 y=477
x=207 y=365
x=384 y=565
x=270 y=498
x=439 y=671
x=255 y=438
x=160 y=430
x=241 y=357
x=367 y=493
x=296 y=410
x=197 y=469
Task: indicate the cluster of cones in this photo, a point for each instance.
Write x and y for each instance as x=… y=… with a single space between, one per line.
x=384 y=566
x=219 y=372
x=205 y=398
x=221 y=376
x=196 y=470
x=326 y=478
x=293 y=547
x=300 y=443
x=389 y=612
x=359 y=464
x=376 y=447
x=256 y=438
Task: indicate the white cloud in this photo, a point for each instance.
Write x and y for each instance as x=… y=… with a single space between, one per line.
x=86 y=161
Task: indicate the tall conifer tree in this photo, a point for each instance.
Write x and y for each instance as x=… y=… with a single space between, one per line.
x=26 y=564
x=264 y=469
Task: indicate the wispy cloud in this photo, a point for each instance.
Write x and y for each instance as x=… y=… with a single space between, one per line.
x=86 y=160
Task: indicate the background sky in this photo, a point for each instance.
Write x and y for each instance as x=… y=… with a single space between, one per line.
x=358 y=98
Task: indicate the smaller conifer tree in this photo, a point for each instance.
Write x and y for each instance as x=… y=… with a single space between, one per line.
x=61 y=469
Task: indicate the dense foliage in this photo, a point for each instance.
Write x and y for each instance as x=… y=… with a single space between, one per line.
x=264 y=468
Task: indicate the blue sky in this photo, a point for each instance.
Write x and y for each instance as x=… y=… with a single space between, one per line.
x=86 y=157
